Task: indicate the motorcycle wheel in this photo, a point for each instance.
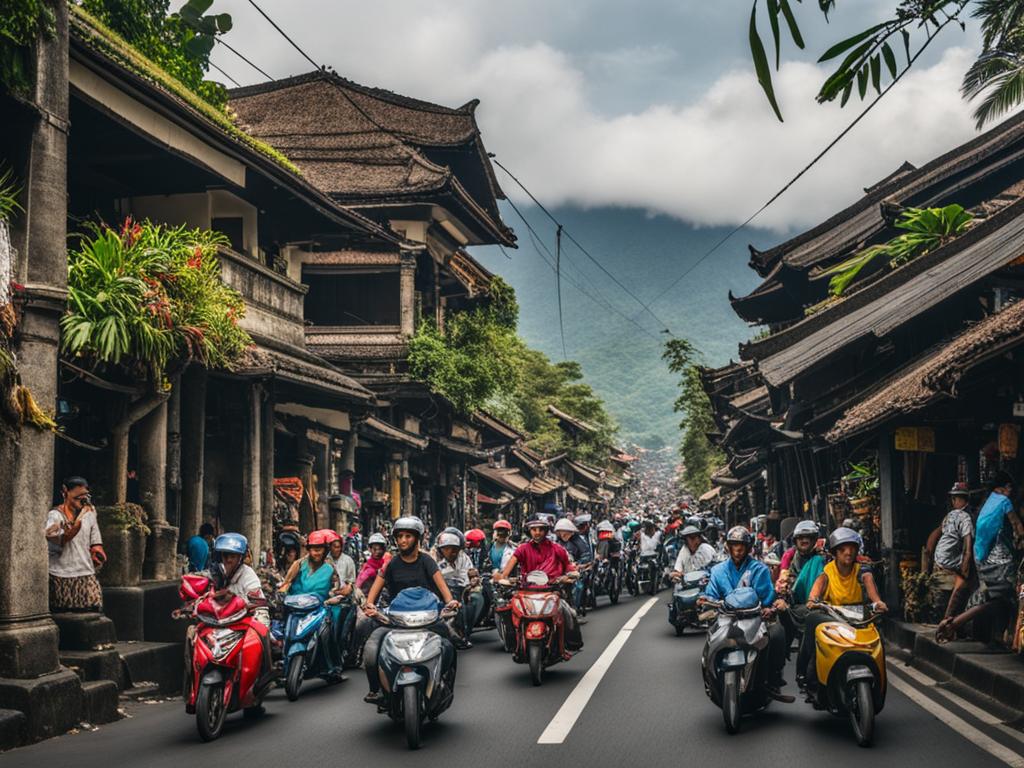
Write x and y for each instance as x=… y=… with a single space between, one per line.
x=210 y=711
x=652 y=586
x=411 y=708
x=679 y=629
x=613 y=592
x=632 y=587
x=731 y=700
x=294 y=680
x=862 y=712
x=535 y=654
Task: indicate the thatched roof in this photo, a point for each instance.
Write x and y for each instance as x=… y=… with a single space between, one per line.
x=366 y=145
x=935 y=374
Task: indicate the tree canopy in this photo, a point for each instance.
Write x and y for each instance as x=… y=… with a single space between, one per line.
x=700 y=457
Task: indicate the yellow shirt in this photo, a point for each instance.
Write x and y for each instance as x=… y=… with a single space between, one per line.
x=843 y=590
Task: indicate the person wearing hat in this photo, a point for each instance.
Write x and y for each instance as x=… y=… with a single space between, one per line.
x=695 y=555
x=954 y=555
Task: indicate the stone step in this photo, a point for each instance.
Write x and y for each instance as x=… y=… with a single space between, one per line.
x=100 y=702
x=160 y=663
x=85 y=631
x=141 y=690
x=95 y=665
x=13 y=728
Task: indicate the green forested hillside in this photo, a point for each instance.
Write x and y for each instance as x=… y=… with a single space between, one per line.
x=646 y=253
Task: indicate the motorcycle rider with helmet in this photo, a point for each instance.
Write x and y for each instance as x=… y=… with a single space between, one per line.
x=410 y=568
x=375 y=562
x=542 y=554
x=580 y=552
x=800 y=567
x=843 y=581
x=230 y=574
x=460 y=574
x=501 y=548
x=695 y=554
x=742 y=570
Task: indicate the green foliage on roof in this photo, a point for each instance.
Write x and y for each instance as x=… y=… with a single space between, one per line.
x=101 y=37
x=21 y=24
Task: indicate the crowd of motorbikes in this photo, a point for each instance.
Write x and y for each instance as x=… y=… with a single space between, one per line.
x=242 y=649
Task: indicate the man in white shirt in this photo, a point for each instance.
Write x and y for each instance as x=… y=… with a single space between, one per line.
x=696 y=555
x=457 y=569
x=650 y=539
x=229 y=550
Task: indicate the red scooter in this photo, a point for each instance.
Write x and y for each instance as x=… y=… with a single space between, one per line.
x=230 y=656
x=538 y=625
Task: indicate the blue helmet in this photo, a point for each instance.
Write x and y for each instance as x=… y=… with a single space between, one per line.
x=231 y=542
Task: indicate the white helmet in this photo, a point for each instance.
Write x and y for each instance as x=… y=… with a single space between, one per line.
x=376 y=538
x=410 y=523
x=806 y=528
x=565 y=524
x=448 y=540
x=605 y=526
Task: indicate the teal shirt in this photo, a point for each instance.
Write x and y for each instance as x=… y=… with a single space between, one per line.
x=310 y=582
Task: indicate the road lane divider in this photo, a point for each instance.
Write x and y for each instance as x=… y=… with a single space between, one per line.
x=570 y=711
x=975 y=735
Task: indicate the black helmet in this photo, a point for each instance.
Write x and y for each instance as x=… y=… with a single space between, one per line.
x=287 y=539
x=739 y=535
x=537 y=521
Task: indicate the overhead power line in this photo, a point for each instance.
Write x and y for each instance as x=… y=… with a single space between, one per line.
x=229 y=77
x=243 y=57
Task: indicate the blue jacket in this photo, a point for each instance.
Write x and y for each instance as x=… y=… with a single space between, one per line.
x=726 y=577
x=991 y=524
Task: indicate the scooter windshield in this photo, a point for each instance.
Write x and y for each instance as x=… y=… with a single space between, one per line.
x=414 y=607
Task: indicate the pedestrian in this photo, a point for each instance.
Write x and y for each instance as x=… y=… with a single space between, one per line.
x=198 y=548
x=75 y=550
x=995 y=562
x=954 y=556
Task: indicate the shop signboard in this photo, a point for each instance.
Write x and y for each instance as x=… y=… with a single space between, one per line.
x=920 y=439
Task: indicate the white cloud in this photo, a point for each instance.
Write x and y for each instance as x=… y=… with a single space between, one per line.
x=549 y=102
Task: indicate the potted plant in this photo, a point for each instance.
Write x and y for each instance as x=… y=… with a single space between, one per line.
x=124 y=530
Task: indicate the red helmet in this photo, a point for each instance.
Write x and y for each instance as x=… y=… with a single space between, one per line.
x=502 y=525
x=321 y=538
x=475 y=536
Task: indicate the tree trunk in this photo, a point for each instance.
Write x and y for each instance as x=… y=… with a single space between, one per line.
x=119 y=441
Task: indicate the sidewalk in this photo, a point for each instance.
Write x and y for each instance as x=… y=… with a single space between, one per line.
x=994 y=673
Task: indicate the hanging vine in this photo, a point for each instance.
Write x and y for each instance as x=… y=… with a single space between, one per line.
x=22 y=22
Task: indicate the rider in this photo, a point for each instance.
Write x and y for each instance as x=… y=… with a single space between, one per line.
x=458 y=570
x=580 y=552
x=541 y=554
x=501 y=548
x=800 y=567
x=411 y=568
x=697 y=555
x=375 y=562
x=345 y=567
x=315 y=575
x=844 y=581
x=229 y=550
x=741 y=570
x=475 y=548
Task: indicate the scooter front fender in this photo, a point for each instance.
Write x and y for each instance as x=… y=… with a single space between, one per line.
x=408 y=677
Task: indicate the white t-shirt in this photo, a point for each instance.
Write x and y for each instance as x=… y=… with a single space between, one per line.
x=244 y=582
x=459 y=571
x=75 y=558
x=695 y=561
x=345 y=567
x=649 y=544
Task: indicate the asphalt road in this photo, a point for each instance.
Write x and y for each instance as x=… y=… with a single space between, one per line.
x=650 y=706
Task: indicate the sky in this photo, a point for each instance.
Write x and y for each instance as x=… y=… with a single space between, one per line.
x=650 y=105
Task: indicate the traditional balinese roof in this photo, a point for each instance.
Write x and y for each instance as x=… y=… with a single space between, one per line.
x=935 y=374
x=504 y=477
x=893 y=299
x=102 y=49
x=275 y=359
x=497 y=426
x=379 y=429
x=367 y=146
x=571 y=421
x=463 y=448
x=591 y=475
x=470 y=272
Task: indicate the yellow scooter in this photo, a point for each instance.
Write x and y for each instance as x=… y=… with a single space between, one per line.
x=850 y=666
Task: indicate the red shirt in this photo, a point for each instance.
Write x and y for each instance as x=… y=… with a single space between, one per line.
x=545 y=556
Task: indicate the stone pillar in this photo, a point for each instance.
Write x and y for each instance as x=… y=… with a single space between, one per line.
x=348 y=463
x=193 y=447
x=887 y=502
x=395 y=485
x=252 y=463
x=162 y=546
x=307 y=513
x=30 y=678
x=267 y=472
x=407 y=294
x=173 y=514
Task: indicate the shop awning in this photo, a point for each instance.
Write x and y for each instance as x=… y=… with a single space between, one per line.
x=463 y=448
x=711 y=495
x=505 y=478
x=501 y=501
x=542 y=486
x=582 y=495
x=378 y=429
x=935 y=374
x=295 y=365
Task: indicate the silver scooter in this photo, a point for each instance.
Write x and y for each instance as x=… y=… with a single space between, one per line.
x=733 y=652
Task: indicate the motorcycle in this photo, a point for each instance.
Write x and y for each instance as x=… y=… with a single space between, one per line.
x=608 y=579
x=583 y=590
x=308 y=634
x=682 y=608
x=538 y=625
x=733 y=653
x=416 y=666
x=648 y=577
x=850 y=667
x=230 y=666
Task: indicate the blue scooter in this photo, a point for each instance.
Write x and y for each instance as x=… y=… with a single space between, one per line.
x=308 y=638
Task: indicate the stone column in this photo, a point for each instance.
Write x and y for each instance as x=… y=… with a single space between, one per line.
x=887 y=502
x=252 y=462
x=161 y=563
x=407 y=294
x=395 y=485
x=174 y=456
x=307 y=513
x=30 y=678
x=193 y=447
x=267 y=472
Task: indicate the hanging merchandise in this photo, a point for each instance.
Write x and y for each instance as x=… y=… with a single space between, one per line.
x=1009 y=437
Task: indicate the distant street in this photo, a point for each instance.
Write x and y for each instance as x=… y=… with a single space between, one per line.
x=648 y=708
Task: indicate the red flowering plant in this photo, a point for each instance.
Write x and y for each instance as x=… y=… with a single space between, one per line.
x=150 y=296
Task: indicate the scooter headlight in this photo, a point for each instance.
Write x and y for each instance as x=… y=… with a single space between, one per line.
x=222 y=641
x=303 y=625
x=412 y=647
